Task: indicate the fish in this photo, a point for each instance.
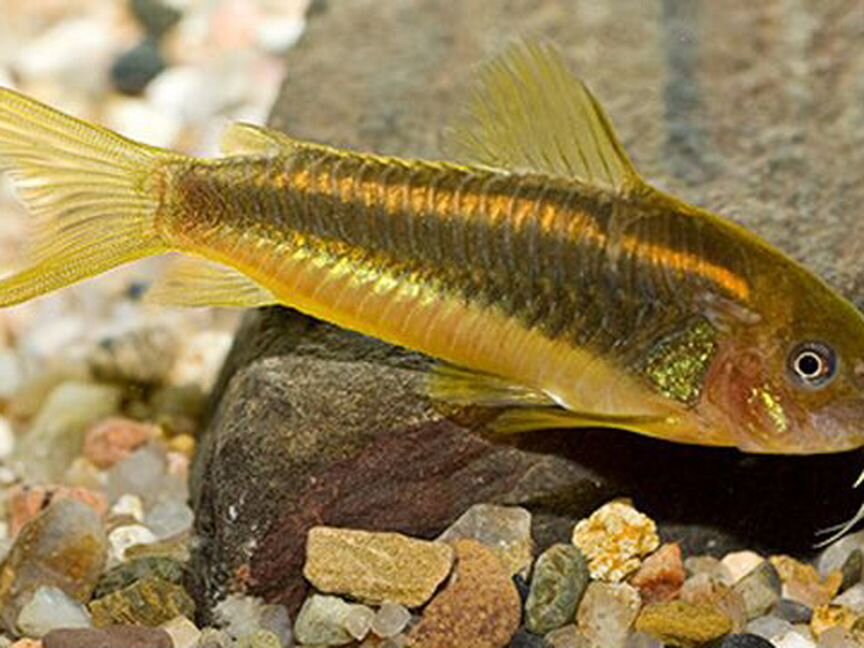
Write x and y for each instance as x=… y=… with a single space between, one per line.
x=552 y=282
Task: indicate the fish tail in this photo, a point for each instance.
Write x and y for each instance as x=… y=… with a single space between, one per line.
x=94 y=196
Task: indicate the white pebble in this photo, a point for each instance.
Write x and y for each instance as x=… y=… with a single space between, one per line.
x=359 y=621
x=51 y=608
x=833 y=557
x=183 y=633
x=853 y=598
x=128 y=505
x=121 y=538
x=741 y=563
x=11 y=375
x=390 y=620
x=837 y=637
x=769 y=627
x=142 y=121
x=277 y=35
x=793 y=639
x=169 y=518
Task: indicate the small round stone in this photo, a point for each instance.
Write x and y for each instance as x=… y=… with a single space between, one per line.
x=133 y=70
x=390 y=620
x=358 y=621
x=792 y=611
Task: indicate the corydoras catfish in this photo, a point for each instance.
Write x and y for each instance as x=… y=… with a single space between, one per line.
x=548 y=277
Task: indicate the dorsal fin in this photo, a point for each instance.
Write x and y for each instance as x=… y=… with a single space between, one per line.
x=190 y=281
x=248 y=139
x=528 y=113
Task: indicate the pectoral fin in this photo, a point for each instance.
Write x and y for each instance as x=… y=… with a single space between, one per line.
x=464 y=387
x=518 y=420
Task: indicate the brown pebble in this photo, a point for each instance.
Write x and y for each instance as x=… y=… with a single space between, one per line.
x=480 y=608
x=26 y=502
x=113 y=439
x=803 y=583
x=27 y=643
x=661 y=575
x=119 y=636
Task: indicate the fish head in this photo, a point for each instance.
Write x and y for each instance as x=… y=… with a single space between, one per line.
x=792 y=380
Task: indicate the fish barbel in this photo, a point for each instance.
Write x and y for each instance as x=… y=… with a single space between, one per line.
x=549 y=278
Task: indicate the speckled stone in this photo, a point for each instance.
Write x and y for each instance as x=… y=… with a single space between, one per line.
x=567 y=637
x=376 y=567
x=148 y=602
x=792 y=611
x=852 y=569
x=760 y=589
x=506 y=529
x=321 y=621
x=63 y=547
x=682 y=624
x=742 y=641
x=830 y=616
x=559 y=581
x=525 y=639
x=479 y=608
x=702 y=589
x=606 y=613
x=614 y=538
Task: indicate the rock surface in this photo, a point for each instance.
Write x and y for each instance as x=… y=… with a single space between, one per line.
x=313 y=426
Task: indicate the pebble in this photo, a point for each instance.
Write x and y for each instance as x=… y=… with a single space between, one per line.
x=120 y=636
x=358 y=622
x=760 y=589
x=21 y=643
x=27 y=502
x=148 y=602
x=390 y=620
x=145 y=473
x=124 y=537
x=678 y=623
x=606 y=613
x=793 y=639
x=852 y=569
x=829 y=616
x=506 y=529
x=155 y=16
x=183 y=633
x=129 y=507
x=213 y=638
x=7 y=438
x=241 y=616
x=567 y=637
x=702 y=589
x=769 y=627
x=142 y=355
x=803 y=583
x=792 y=611
x=321 y=621
x=63 y=547
x=661 y=575
x=558 y=584
x=376 y=567
x=853 y=598
x=177 y=408
x=49 y=609
x=741 y=563
x=743 y=641
x=525 y=639
x=168 y=518
x=838 y=638
x=57 y=434
x=709 y=565
x=834 y=555
x=113 y=439
x=614 y=538
x=127 y=573
x=259 y=639
x=642 y=640
x=480 y=606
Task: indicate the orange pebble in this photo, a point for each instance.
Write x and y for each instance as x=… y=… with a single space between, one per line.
x=26 y=502
x=115 y=438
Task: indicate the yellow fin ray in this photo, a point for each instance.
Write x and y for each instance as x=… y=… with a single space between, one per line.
x=190 y=281
x=528 y=113
x=248 y=139
x=515 y=421
x=465 y=387
x=93 y=194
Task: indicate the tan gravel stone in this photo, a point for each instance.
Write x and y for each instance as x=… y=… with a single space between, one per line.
x=376 y=567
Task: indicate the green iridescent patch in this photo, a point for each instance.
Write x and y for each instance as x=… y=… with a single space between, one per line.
x=677 y=364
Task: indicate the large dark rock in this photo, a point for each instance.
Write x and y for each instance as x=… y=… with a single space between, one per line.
x=751 y=109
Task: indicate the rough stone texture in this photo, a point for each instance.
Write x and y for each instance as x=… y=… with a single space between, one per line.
x=376 y=567
x=751 y=109
x=149 y=602
x=661 y=575
x=677 y=623
x=480 y=608
x=64 y=547
x=557 y=585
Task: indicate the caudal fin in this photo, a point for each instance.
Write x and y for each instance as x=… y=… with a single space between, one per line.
x=93 y=194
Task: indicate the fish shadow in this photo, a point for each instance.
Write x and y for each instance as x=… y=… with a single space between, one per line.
x=715 y=500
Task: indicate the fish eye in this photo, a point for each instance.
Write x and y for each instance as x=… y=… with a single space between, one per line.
x=813 y=364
